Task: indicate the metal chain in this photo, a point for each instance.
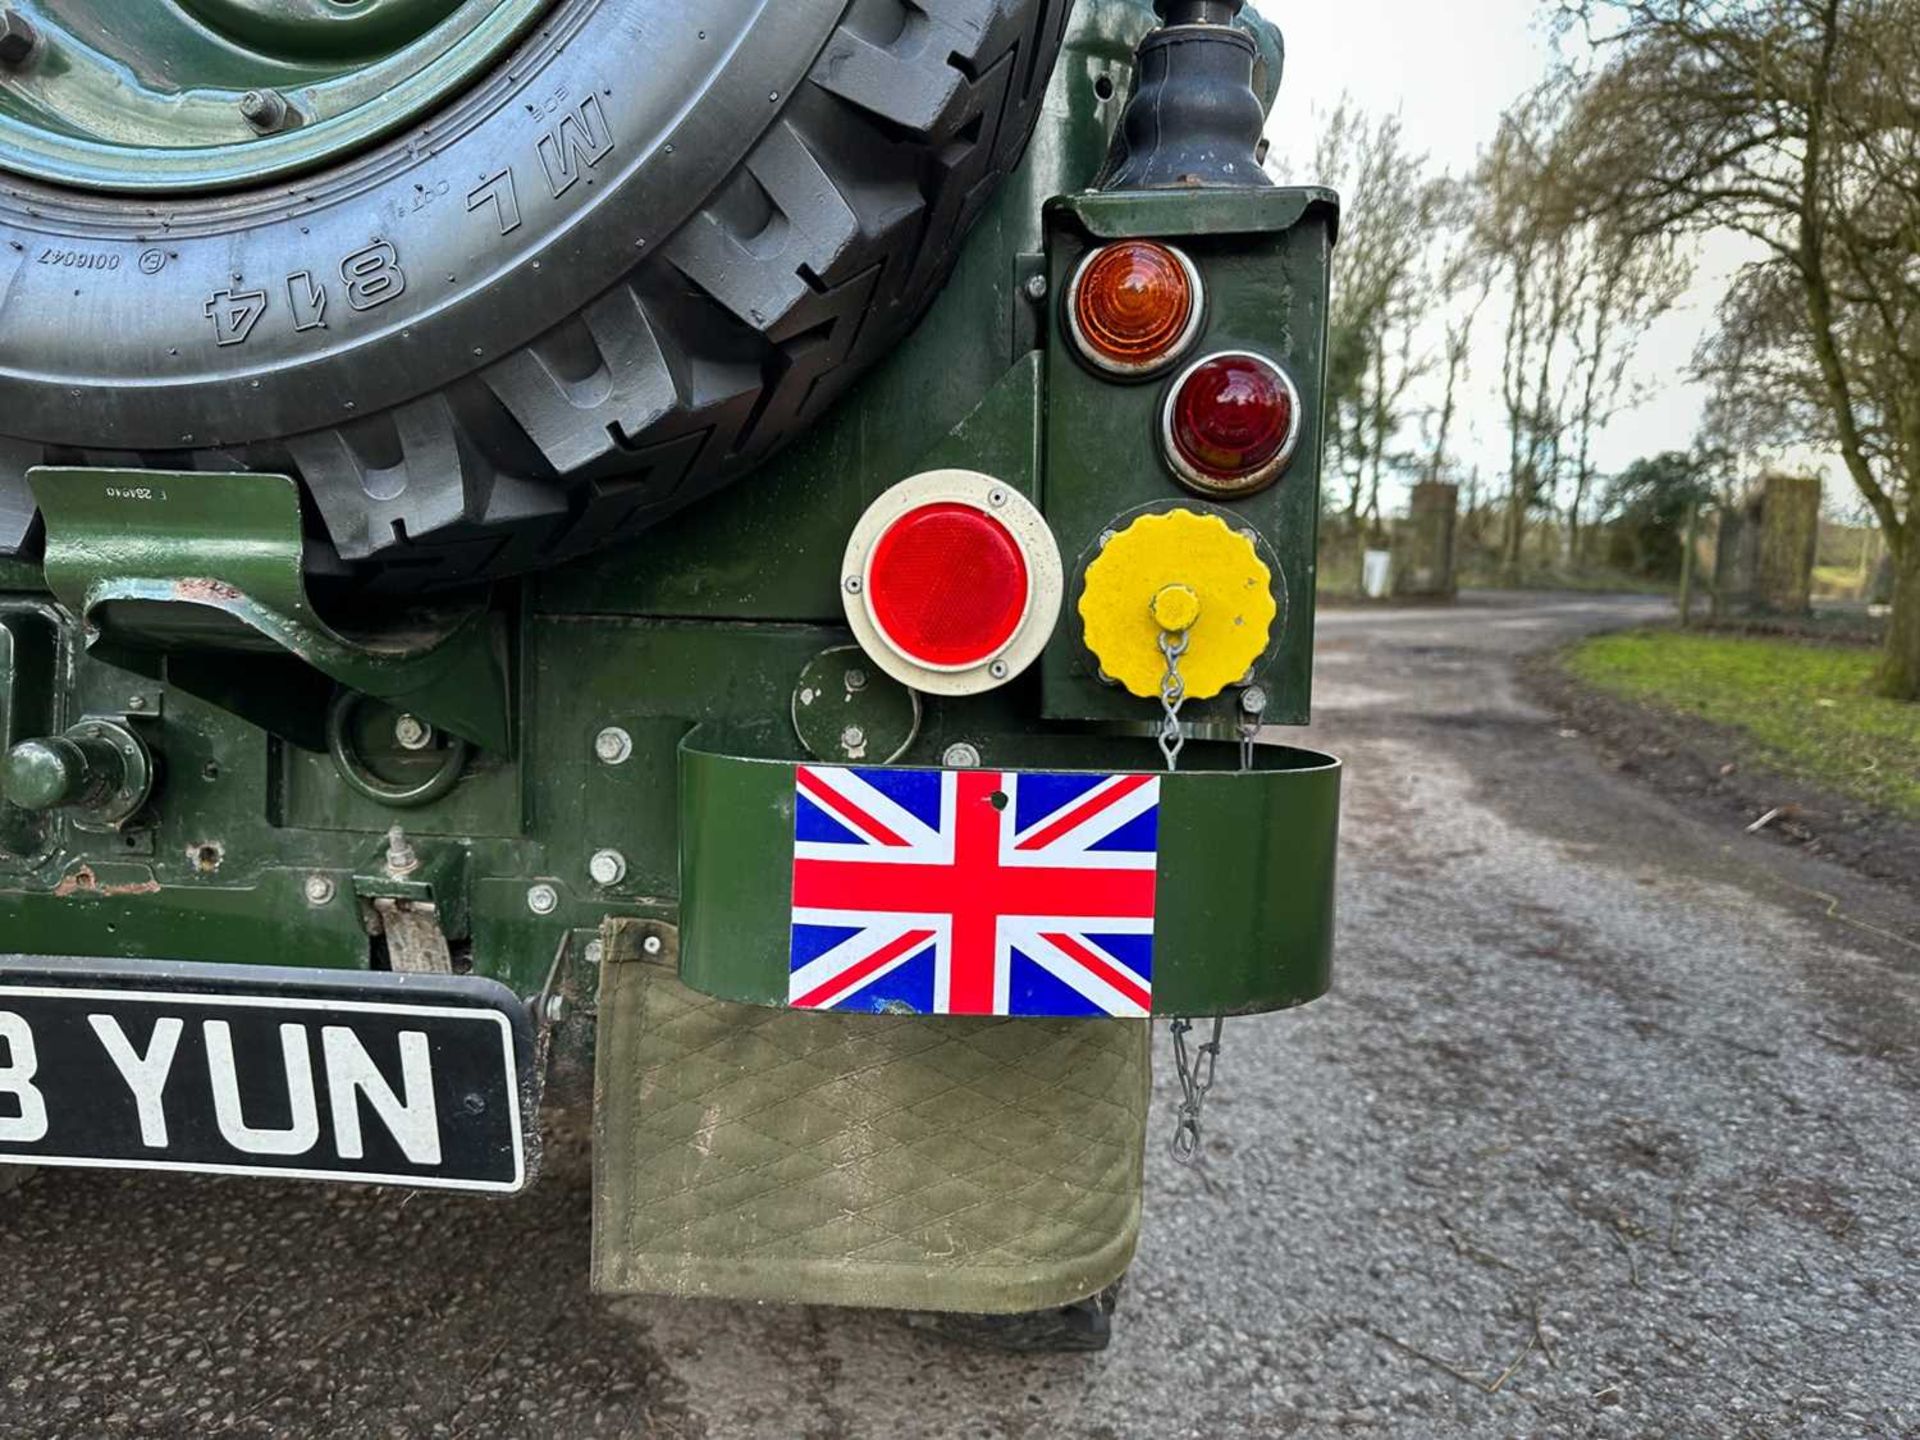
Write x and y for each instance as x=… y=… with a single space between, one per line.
x=1173 y=691
x=1253 y=707
x=1196 y=1079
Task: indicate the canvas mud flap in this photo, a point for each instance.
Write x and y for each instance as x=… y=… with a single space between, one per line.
x=414 y=1080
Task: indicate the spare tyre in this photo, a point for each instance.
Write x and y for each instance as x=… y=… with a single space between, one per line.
x=498 y=281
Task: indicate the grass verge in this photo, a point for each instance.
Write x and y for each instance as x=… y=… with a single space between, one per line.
x=1805 y=708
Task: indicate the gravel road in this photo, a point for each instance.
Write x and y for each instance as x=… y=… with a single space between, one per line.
x=1608 y=1129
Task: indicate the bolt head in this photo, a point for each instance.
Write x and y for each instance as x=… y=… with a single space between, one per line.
x=653 y=945
x=613 y=746
x=960 y=757
x=607 y=867
x=1036 y=287
x=543 y=899
x=1253 y=700
x=856 y=681
x=412 y=733
x=853 y=738
x=264 y=110
x=17 y=38
x=318 y=889
x=596 y=953
x=556 y=1009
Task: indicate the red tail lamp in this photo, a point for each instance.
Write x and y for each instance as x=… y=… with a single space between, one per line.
x=1230 y=423
x=1134 y=306
x=952 y=582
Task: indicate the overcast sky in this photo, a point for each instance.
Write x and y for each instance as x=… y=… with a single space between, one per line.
x=1450 y=69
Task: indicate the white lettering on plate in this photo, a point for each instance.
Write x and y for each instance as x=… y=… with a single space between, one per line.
x=16 y=1079
x=298 y=1137
x=413 y=1122
x=146 y=1075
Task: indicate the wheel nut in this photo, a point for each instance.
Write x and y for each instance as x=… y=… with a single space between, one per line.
x=17 y=38
x=265 y=110
x=543 y=899
x=607 y=867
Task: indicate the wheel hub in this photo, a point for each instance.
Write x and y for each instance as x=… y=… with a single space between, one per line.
x=173 y=95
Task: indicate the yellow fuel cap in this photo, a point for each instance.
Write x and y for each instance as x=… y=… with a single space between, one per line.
x=1180 y=571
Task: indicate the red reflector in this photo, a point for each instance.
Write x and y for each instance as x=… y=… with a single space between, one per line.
x=947 y=585
x=1231 y=421
x=1134 y=305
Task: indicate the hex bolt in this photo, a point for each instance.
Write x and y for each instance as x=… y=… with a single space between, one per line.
x=653 y=945
x=607 y=867
x=1253 y=700
x=410 y=732
x=853 y=738
x=961 y=756
x=401 y=857
x=17 y=38
x=318 y=890
x=543 y=899
x=856 y=680
x=265 y=110
x=1036 y=287
x=613 y=746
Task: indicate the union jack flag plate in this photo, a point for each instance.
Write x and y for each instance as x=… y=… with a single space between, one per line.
x=973 y=892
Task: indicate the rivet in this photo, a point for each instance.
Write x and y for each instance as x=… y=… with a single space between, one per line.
x=853 y=584
x=543 y=899
x=998 y=669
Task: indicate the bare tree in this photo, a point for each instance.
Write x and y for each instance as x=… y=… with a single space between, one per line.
x=1795 y=122
x=1581 y=294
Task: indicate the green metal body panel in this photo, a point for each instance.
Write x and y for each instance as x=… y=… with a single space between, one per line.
x=1264 y=257
x=206 y=567
x=1244 y=915
x=187 y=621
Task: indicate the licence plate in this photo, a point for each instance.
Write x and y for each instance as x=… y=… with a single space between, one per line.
x=242 y=1070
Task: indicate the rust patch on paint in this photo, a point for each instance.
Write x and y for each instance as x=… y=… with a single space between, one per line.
x=84 y=882
x=204 y=590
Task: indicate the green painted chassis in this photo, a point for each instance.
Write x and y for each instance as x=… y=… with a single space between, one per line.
x=704 y=625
